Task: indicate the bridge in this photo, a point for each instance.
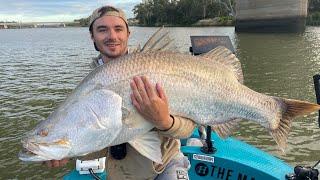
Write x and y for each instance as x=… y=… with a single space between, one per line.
x=271 y=15
x=20 y=25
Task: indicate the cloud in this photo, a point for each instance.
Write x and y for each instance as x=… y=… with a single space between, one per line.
x=125 y=5
x=57 y=10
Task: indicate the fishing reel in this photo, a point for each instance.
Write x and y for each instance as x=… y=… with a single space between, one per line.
x=304 y=173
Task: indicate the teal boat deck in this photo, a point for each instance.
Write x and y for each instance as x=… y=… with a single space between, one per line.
x=233 y=160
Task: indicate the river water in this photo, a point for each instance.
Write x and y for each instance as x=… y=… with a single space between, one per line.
x=39 y=67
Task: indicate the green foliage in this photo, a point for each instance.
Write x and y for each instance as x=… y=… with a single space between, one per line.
x=316 y=16
x=314 y=6
x=84 y=22
x=225 y=20
x=314 y=19
x=180 y=12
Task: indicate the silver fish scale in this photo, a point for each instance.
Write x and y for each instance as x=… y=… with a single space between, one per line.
x=197 y=88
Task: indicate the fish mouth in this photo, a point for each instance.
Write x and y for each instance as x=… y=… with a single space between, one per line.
x=26 y=155
x=35 y=151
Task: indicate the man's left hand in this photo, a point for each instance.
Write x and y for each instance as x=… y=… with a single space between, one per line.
x=151 y=102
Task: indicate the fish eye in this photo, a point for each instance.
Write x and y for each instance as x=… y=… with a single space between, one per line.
x=43 y=132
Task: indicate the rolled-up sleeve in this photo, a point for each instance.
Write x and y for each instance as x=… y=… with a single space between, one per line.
x=182 y=128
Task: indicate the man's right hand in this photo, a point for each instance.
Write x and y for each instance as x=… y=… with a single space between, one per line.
x=56 y=163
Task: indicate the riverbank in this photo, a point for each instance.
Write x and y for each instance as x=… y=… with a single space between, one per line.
x=217 y=21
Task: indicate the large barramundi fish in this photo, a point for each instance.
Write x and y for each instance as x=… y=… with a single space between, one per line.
x=207 y=89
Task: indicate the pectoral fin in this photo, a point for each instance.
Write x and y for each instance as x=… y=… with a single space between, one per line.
x=148 y=145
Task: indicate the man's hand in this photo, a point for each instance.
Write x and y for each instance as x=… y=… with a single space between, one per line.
x=151 y=102
x=56 y=163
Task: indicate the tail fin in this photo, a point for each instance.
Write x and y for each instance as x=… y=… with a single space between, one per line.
x=293 y=108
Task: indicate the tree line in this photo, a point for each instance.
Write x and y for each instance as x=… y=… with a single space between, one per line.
x=181 y=12
x=314 y=6
x=84 y=22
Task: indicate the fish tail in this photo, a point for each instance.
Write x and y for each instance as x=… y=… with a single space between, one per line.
x=291 y=109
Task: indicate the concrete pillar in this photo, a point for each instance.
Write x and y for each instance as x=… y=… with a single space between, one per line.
x=271 y=15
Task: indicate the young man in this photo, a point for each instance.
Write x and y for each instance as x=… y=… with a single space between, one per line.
x=110 y=33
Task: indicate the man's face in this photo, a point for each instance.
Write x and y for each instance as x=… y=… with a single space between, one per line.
x=110 y=35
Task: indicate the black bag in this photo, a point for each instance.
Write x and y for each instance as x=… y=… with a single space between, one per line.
x=119 y=152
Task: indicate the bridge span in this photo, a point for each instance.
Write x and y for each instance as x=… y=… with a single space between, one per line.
x=271 y=15
x=19 y=25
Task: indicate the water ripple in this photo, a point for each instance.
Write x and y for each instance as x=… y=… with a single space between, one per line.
x=40 y=67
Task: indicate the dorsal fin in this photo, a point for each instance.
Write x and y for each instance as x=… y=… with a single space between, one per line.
x=226 y=57
x=159 y=41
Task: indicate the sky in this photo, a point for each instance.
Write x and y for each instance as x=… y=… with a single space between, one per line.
x=57 y=10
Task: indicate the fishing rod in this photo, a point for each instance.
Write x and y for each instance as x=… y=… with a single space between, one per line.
x=316 y=81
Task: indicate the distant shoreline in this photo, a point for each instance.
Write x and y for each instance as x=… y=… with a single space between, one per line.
x=70 y=25
x=129 y=26
x=215 y=22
